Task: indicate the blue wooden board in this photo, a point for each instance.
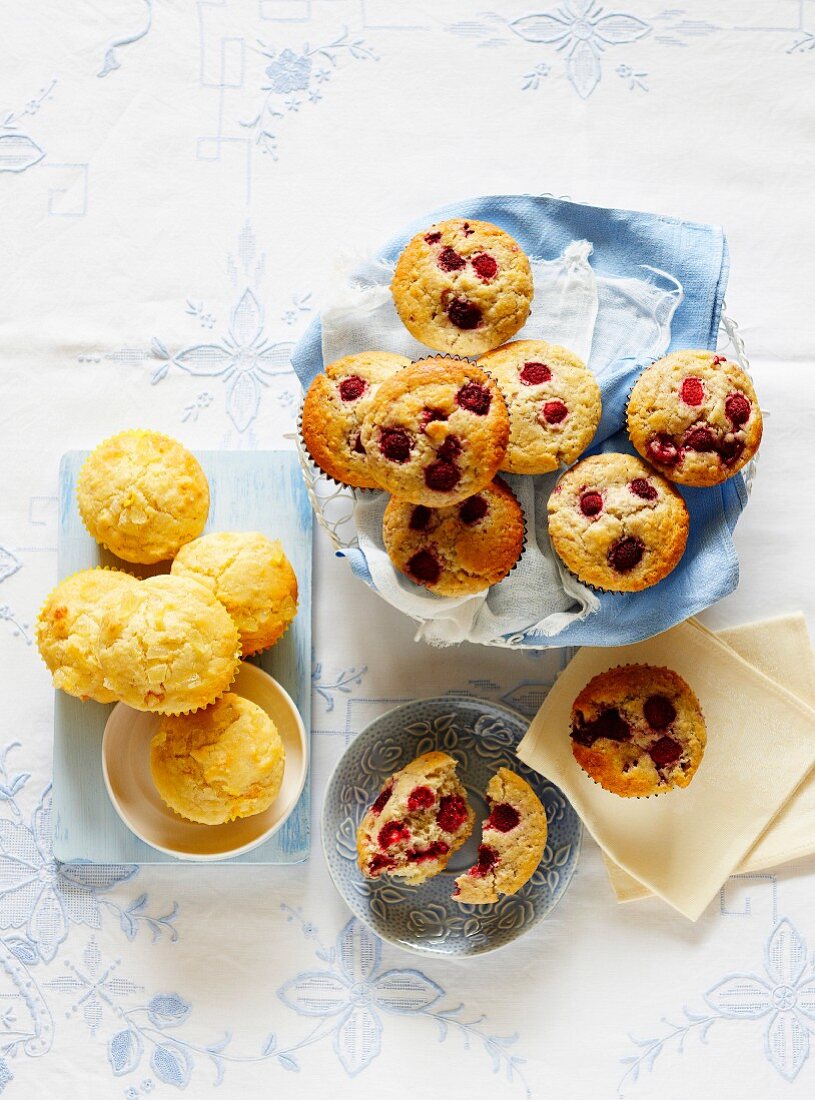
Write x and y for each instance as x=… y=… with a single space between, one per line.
x=249 y=491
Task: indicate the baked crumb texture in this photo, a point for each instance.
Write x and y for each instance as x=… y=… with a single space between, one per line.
x=513 y=840
x=420 y=818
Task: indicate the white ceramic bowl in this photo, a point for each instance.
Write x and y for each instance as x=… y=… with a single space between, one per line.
x=126 y=770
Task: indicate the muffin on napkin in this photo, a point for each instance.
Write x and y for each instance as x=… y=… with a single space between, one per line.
x=684 y=844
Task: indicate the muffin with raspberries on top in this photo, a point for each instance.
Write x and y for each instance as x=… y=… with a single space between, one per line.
x=616 y=524
x=333 y=410
x=694 y=416
x=436 y=432
x=638 y=730
x=553 y=401
x=460 y=549
x=419 y=819
x=513 y=840
x=462 y=286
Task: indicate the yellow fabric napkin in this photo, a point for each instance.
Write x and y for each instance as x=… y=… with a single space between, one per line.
x=781 y=649
x=683 y=844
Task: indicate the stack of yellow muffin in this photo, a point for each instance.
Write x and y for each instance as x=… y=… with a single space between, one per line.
x=171 y=644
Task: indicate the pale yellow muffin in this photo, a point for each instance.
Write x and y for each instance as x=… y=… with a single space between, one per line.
x=143 y=496
x=220 y=763
x=252 y=578
x=168 y=646
x=553 y=401
x=513 y=842
x=68 y=629
x=463 y=286
x=638 y=730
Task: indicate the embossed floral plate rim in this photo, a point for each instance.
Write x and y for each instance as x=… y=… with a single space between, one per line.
x=437 y=925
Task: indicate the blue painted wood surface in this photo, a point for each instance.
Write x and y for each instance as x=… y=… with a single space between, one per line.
x=249 y=491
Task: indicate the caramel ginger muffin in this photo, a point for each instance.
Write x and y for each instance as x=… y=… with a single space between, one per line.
x=616 y=524
x=333 y=410
x=459 y=549
x=638 y=730
x=553 y=401
x=251 y=576
x=143 y=496
x=436 y=433
x=462 y=286
x=68 y=630
x=513 y=840
x=220 y=763
x=420 y=818
x=694 y=416
x=168 y=646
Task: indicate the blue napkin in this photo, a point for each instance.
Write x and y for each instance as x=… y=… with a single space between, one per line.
x=623 y=243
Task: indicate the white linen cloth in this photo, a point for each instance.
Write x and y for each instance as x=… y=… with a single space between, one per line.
x=143 y=221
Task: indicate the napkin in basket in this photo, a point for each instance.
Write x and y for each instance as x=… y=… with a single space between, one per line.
x=683 y=844
x=781 y=649
x=621 y=288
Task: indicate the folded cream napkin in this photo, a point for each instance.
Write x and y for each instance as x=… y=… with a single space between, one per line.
x=682 y=845
x=781 y=649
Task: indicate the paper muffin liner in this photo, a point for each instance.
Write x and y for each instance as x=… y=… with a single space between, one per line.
x=38 y=621
x=690 y=484
x=673 y=787
x=84 y=517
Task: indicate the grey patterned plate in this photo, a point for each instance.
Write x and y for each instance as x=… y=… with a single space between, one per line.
x=482 y=736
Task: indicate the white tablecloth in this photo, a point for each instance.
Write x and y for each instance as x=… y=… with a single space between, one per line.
x=177 y=174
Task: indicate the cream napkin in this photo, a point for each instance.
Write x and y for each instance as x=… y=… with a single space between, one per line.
x=781 y=649
x=682 y=845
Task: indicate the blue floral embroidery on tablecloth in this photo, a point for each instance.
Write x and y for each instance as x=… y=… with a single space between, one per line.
x=295 y=78
x=784 y=995
x=18 y=151
x=112 y=62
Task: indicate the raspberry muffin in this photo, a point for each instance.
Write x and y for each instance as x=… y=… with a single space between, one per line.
x=333 y=410
x=167 y=646
x=220 y=763
x=419 y=820
x=143 y=496
x=463 y=286
x=694 y=416
x=68 y=630
x=553 y=401
x=638 y=730
x=513 y=840
x=460 y=549
x=436 y=433
x=616 y=524
x=251 y=576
